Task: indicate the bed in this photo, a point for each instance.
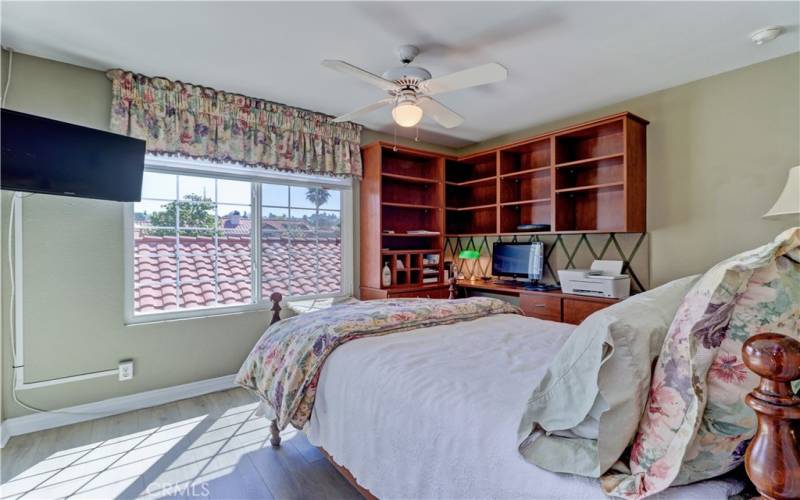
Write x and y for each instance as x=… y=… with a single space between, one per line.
x=663 y=394
x=469 y=382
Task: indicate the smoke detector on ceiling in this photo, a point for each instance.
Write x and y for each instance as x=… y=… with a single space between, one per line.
x=765 y=35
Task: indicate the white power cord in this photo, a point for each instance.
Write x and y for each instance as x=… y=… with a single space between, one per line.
x=8 y=77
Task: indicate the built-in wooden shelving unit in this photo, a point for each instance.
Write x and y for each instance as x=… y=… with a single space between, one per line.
x=588 y=178
x=402 y=192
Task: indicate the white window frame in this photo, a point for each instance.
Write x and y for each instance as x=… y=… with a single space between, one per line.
x=256 y=176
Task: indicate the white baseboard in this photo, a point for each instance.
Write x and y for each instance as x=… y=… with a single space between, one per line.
x=107 y=407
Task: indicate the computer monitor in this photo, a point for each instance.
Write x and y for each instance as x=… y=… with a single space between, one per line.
x=518 y=260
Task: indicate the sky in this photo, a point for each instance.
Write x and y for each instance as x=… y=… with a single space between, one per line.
x=159 y=189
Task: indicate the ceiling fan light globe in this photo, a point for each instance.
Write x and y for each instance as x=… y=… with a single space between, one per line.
x=407 y=114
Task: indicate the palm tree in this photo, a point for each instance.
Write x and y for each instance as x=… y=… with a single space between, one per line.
x=318 y=196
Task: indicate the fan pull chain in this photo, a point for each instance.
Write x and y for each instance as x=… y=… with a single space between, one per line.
x=394 y=129
x=416 y=137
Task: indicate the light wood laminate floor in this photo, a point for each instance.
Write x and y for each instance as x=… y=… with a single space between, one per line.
x=211 y=446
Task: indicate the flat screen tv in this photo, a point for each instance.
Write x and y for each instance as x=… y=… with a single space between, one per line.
x=518 y=260
x=40 y=155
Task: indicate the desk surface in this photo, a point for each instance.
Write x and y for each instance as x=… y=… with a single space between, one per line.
x=490 y=286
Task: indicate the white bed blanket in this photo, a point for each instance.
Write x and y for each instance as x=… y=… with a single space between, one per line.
x=433 y=413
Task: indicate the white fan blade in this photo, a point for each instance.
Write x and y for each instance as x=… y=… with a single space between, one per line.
x=479 y=75
x=362 y=111
x=443 y=115
x=349 y=69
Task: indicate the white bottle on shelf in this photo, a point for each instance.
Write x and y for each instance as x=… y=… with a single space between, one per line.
x=387 y=275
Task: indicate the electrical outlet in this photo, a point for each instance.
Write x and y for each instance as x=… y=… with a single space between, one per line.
x=126 y=369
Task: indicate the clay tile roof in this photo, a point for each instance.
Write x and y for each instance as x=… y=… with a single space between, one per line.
x=315 y=269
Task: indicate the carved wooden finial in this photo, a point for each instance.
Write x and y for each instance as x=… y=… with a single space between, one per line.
x=453 y=292
x=276 y=299
x=773 y=456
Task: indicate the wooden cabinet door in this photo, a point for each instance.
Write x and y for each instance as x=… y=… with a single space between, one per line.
x=577 y=310
x=540 y=306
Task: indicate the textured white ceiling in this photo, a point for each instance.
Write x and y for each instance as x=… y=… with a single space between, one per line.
x=563 y=58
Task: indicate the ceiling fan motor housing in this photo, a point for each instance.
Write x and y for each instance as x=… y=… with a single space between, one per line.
x=407 y=75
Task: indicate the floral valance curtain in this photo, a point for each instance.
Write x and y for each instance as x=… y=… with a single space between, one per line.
x=178 y=118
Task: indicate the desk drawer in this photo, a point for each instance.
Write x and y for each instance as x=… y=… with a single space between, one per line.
x=432 y=293
x=540 y=306
x=577 y=310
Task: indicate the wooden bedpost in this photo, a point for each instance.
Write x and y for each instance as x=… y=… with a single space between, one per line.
x=275 y=432
x=453 y=291
x=772 y=459
x=276 y=299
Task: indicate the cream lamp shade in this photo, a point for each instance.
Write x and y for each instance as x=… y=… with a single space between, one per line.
x=788 y=203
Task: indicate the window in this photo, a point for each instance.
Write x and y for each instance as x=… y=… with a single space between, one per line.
x=212 y=239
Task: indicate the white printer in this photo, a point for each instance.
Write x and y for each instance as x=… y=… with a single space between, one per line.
x=604 y=279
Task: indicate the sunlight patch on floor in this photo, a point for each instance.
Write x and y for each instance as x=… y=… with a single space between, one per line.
x=175 y=459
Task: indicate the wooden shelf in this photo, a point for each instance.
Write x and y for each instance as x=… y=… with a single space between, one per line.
x=409 y=178
x=588 y=161
x=406 y=235
x=590 y=188
x=473 y=182
x=525 y=202
x=476 y=207
x=410 y=205
x=414 y=251
x=524 y=172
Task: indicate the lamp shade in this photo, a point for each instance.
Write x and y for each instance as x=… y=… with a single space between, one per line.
x=407 y=114
x=469 y=254
x=788 y=203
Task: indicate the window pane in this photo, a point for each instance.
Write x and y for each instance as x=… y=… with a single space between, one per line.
x=236 y=192
x=195 y=214
x=303 y=286
x=275 y=258
x=234 y=220
x=160 y=186
x=274 y=195
x=194 y=268
x=198 y=295
x=154 y=278
x=330 y=283
x=196 y=188
x=324 y=198
x=153 y=213
x=233 y=267
x=237 y=292
x=149 y=298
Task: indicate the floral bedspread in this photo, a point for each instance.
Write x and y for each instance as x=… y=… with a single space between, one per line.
x=284 y=366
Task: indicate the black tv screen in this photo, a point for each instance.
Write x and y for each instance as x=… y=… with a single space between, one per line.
x=519 y=260
x=47 y=156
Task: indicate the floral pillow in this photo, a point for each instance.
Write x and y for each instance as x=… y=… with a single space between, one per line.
x=696 y=425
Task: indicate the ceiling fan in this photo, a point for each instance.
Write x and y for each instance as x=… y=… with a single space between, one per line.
x=410 y=88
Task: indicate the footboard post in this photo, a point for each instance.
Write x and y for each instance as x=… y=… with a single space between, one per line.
x=452 y=289
x=275 y=434
x=276 y=299
x=772 y=459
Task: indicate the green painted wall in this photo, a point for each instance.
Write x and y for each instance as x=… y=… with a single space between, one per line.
x=718 y=152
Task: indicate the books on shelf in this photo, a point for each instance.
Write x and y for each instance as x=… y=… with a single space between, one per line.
x=431 y=280
x=421 y=231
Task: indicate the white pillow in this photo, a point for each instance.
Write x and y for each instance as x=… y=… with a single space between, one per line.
x=592 y=396
x=296 y=307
